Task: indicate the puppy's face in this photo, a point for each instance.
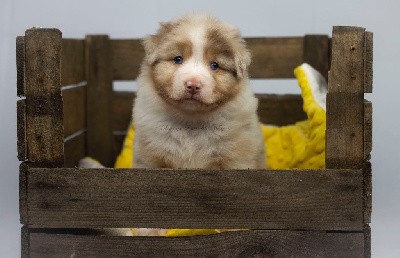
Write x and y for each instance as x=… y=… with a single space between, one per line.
x=197 y=63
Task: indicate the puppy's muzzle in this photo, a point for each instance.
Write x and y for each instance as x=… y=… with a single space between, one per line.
x=193 y=86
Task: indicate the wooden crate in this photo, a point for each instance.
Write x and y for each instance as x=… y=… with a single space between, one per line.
x=68 y=109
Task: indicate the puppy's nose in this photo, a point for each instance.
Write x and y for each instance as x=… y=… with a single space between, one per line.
x=193 y=86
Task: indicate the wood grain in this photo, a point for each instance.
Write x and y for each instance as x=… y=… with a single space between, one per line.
x=316 y=53
x=367 y=130
x=23 y=193
x=99 y=99
x=72 y=61
x=367 y=241
x=368 y=59
x=91 y=198
x=367 y=192
x=275 y=57
x=21 y=130
x=271 y=57
x=345 y=100
x=280 y=110
x=44 y=105
x=230 y=244
x=20 y=60
x=74 y=100
x=74 y=150
x=127 y=56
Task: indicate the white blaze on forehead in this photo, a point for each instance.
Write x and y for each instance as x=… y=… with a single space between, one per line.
x=197 y=37
x=194 y=68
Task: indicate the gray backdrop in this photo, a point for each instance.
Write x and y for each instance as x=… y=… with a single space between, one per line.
x=129 y=19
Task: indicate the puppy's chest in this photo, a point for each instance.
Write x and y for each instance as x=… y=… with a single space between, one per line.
x=192 y=145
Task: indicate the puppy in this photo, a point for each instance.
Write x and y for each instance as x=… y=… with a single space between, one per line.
x=194 y=107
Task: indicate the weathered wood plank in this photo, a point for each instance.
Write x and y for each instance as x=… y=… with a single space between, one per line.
x=127 y=56
x=25 y=242
x=230 y=244
x=275 y=57
x=74 y=150
x=271 y=57
x=44 y=105
x=368 y=67
x=23 y=193
x=74 y=110
x=345 y=100
x=316 y=53
x=272 y=109
x=72 y=61
x=367 y=130
x=367 y=241
x=309 y=200
x=20 y=59
x=280 y=109
x=21 y=129
x=367 y=192
x=99 y=99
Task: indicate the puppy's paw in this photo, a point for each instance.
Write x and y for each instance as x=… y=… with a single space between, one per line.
x=89 y=162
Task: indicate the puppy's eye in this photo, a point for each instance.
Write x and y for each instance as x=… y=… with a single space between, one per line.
x=178 y=60
x=214 y=66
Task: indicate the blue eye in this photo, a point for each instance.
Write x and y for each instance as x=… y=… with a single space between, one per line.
x=178 y=60
x=214 y=66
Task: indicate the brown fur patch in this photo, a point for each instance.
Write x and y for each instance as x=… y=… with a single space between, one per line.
x=218 y=48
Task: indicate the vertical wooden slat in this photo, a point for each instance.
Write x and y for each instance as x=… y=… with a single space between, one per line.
x=316 y=53
x=345 y=100
x=25 y=243
x=20 y=58
x=23 y=193
x=368 y=72
x=367 y=241
x=21 y=129
x=367 y=130
x=44 y=105
x=367 y=199
x=99 y=98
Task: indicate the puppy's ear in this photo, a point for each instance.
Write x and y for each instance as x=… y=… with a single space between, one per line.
x=151 y=43
x=150 y=47
x=242 y=60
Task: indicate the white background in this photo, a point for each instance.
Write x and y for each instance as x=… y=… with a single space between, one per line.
x=130 y=19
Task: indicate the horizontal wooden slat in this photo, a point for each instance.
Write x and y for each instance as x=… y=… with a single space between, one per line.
x=280 y=109
x=74 y=150
x=229 y=244
x=272 y=109
x=275 y=57
x=259 y=199
x=74 y=109
x=72 y=61
x=21 y=129
x=127 y=56
x=271 y=57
